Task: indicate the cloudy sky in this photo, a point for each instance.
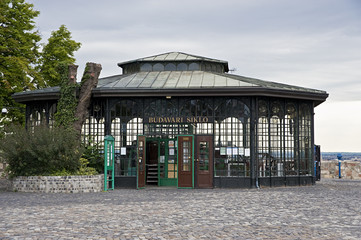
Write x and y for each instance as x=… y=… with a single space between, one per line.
x=309 y=43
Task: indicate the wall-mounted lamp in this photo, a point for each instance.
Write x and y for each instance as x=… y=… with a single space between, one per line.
x=4 y=110
x=168 y=97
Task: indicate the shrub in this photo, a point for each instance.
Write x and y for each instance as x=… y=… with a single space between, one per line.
x=84 y=169
x=44 y=151
x=93 y=153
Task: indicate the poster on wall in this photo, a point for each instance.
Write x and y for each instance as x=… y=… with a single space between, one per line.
x=223 y=151
x=247 y=152
x=123 y=151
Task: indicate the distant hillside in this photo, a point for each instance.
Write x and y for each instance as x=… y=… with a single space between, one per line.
x=345 y=155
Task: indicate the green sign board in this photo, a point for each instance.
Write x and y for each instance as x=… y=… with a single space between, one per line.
x=108 y=163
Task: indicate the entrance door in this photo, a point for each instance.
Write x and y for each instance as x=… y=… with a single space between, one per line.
x=204 y=161
x=141 y=158
x=152 y=162
x=185 y=162
x=167 y=162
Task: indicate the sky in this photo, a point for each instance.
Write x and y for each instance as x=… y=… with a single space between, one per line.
x=309 y=43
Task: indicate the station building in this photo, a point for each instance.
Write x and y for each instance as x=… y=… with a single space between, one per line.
x=182 y=120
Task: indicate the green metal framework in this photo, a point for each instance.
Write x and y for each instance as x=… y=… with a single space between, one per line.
x=108 y=163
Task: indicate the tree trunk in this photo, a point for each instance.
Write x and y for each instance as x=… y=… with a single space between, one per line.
x=88 y=82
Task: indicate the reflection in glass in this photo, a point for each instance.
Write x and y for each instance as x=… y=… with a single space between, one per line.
x=186 y=156
x=204 y=156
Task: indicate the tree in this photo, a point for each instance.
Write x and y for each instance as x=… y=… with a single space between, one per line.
x=19 y=52
x=22 y=66
x=59 y=49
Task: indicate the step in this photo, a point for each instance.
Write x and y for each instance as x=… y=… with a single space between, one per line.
x=152 y=181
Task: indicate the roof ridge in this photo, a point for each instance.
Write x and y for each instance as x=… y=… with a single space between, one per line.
x=175 y=56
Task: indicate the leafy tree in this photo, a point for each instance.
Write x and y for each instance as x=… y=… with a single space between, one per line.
x=22 y=66
x=19 y=52
x=59 y=49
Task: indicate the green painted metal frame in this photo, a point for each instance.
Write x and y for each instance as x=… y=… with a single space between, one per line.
x=192 y=162
x=108 y=162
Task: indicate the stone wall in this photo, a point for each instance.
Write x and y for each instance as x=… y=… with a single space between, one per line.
x=349 y=169
x=2 y=170
x=5 y=184
x=59 y=184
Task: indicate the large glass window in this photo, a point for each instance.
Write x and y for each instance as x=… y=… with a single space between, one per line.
x=232 y=138
x=126 y=125
x=284 y=138
x=305 y=149
x=270 y=135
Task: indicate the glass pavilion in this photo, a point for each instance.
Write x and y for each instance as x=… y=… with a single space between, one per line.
x=182 y=120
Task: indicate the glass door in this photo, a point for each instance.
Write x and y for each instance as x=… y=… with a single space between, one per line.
x=204 y=161
x=167 y=162
x=185 y=162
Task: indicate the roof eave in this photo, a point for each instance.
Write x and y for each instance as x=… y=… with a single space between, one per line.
x=203 y=92
x=29 y=97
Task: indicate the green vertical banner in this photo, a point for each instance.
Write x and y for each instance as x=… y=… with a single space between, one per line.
x=108 y=163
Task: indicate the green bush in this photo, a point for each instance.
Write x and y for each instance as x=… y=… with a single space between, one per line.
x=93 y=153
x=84 y=169
x=44 y=151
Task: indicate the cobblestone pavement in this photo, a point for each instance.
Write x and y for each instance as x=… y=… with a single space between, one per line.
x=329 y=210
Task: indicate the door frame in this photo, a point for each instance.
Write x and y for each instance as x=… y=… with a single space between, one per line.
x=143 y=157
x=178 y=161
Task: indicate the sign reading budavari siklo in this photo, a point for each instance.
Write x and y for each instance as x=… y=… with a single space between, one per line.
x=178 y=120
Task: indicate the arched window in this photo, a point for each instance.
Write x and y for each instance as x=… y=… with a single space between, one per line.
x=146 y=67
x=116 y=133
x=233 y=153
x=232 y=138
x=182 y=67
x=304 y=136
x=290 y=126
x=158 y=67
x=37 y=118
x=170 y=67
x=93 y=130
x=193 y=67
x=134 y=128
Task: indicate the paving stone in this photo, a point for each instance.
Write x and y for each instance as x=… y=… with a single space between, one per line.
x=328 y=210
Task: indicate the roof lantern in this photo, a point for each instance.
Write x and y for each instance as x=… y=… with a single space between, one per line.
x=174 y=61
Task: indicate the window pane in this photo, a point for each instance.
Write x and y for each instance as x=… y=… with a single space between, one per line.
x=193 y=67
x=182 y=67
x=204 y=156
x=170 y=67
x=158 y=67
